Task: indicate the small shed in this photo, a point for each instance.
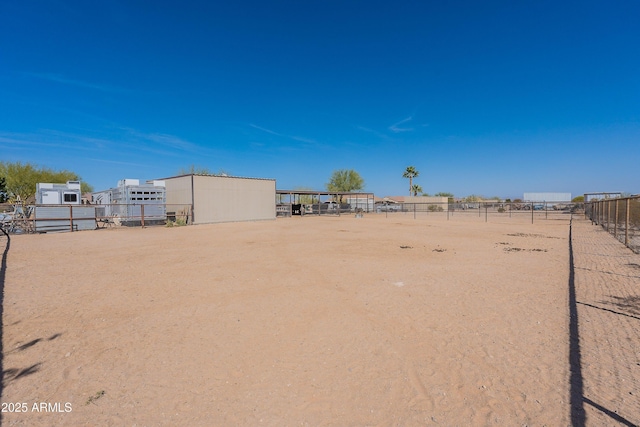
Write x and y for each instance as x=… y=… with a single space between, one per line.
x=213 y=198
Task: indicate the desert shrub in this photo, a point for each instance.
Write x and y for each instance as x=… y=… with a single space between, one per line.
x=177 y=223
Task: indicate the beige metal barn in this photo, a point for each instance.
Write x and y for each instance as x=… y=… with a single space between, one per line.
x=211 y=198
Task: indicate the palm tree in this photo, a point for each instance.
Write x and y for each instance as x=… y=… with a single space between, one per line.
x=415 y=189
x=410 y=173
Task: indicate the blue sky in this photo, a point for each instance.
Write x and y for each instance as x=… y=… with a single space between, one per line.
x=495 y=97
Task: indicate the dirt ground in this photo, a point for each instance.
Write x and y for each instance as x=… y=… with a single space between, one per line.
x=331 y=321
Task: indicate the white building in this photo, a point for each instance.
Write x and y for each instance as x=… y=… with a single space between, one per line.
x=550 y=198
x=58 y=194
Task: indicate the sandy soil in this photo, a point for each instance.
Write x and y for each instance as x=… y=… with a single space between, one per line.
x=332 y=321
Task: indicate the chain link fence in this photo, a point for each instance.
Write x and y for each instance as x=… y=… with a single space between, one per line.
x=484 y=210
x=619 y=216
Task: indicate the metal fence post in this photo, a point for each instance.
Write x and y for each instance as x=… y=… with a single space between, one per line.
x=546 y=211
x=531 y=212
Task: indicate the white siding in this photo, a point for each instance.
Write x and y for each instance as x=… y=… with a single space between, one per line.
x=224 y=199
x=547 y=197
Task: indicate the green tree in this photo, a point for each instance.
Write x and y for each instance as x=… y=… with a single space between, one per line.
x=578 y=199
x=473 y=198
x=21 y=179
x=305 y=199
x=450 y=197
x=443 y=194
x=345 y=180
x=201 y=170
x=3 y=190
x=415 y=189
x=411 y=172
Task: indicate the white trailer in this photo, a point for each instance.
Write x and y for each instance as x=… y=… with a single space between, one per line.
x=125 y=202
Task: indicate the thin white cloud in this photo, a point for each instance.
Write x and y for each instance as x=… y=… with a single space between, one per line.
x=164 y=139
x=49 y=139
x=266 y=130
x=396 y=126
x=115 y=162
x=116 y=139
x=293 y=137
x=79 y=83
x=374 y=132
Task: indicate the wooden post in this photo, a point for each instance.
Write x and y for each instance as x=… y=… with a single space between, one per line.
x=626 y=223
x=615 y=221
x=142 y=215
x=608 y=214
x=531 y=212
x=71 y=218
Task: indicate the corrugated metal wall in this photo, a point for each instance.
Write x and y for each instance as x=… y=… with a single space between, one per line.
x=57 y=218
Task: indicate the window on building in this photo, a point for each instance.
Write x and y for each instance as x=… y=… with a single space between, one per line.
x=70 y=198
